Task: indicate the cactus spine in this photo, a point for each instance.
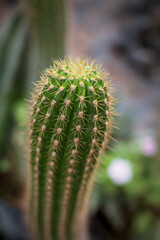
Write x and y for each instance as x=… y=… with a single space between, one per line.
x=69 y=124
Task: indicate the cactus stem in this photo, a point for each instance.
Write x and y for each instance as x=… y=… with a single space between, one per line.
x=70 y=120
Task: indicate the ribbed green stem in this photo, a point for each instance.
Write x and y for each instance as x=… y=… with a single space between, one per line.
x=68 y=128
x=48 y=24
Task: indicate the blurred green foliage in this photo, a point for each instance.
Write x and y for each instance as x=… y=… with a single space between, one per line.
x=143 y=167
x=4 y=166
x=13 y=58
x=133 y=206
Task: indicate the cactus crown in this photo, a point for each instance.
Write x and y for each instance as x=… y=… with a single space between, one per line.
x=69 y=124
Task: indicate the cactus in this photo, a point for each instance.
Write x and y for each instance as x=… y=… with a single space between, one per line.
x=69 y=123
x=48 y=29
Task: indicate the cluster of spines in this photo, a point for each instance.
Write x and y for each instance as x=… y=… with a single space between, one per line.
x=70 y=99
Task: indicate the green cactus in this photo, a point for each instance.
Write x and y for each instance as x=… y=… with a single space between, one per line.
x=48 y=29
x=68 y=129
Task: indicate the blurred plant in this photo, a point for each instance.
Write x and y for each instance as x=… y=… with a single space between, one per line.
x=128 y=184
x=4 y=166
x=13 y=64
x=31 y=35
x=48 y=30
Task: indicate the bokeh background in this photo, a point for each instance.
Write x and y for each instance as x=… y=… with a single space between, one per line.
x=125 y=37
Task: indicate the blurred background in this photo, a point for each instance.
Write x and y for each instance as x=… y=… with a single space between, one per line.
x=125 y=37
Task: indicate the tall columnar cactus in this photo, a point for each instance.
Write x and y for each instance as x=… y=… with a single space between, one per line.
x=69 y=124
x=48 y=28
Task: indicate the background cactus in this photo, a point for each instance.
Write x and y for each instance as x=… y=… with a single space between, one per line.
x=48 y=29
x=69 y=125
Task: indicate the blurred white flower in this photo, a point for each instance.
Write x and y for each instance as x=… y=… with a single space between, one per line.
x=148 y=146
x=120 y=171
